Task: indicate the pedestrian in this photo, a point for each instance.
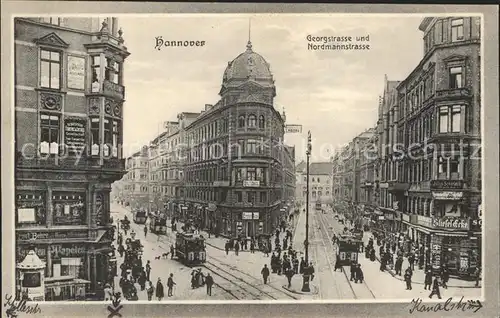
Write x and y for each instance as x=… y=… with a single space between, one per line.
x=428 y=280
x=170 y=285
x=236 y=248
x=148 y=270
x=302 y=265
x=172 y=250
x=265 y=273
x=311 y=270
x=407 y=278
x=477 y=274
x=145 y=230
x=445 y=277
x=193 y=279
x=398 y=266
x=353 y=271
x=435 y=288
x=108 y=292
x=252 y=247
x=337 y=264
x=289 y=274
x=295 y=265
x=411 y=260
x=226 y=247
x=209 y=281
x=150 y=290
x=159 y=290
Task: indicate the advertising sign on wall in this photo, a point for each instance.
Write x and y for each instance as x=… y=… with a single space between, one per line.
x=76 y=72
x=74 y=134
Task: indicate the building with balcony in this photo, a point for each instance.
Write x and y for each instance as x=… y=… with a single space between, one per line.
x=68 y=134
x=135 y=183
x=436 y=180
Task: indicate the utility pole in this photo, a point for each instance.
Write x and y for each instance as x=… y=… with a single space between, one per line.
x=306 y=276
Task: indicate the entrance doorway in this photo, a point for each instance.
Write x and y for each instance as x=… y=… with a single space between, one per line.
x=250 y=229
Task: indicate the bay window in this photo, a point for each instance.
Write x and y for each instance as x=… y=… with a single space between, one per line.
x=455 y=118
x=50 y=133
x=450 y=119
x=457 y=30
x=456 y=77
x=112 y=72
x=50 y=69
x=94 y=136
x=251 y=146
x=96 y=73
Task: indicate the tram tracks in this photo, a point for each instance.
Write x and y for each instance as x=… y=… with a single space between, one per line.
x=359 y=291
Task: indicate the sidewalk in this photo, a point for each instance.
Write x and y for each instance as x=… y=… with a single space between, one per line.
x=418 y=274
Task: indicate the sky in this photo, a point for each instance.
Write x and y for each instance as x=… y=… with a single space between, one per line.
x=334 y=94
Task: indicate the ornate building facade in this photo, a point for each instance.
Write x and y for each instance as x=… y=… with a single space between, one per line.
x=69 y=97
x=135 y=183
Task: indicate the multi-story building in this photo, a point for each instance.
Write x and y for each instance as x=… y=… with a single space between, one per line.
x=300 y=183
x=237 y=173
x=368 y=171
x=361 y=153
x=438 y=176
x=68 y=114
x=135 y=181
x=320 y=181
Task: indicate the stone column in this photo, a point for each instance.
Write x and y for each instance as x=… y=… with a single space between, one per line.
x=89 y=204
x=49 y=261
x=49 y=213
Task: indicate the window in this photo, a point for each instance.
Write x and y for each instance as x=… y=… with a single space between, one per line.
x=239 y=196
x=252 y=121
x=241 y=121
x=454 y=163
x=262 y=122
x=49 y=138
x=108 y=136
x=312 y=179
x=50 y=69
x=260 y=174
x=52 y=20
x=443 y=119
x=70 y=267
x=455 y=118
x=112 y=72
x=251 y=146
x=251 y=197
x=94 y=135
x=318 y=180
x=457 y=30
x=96 y=73
x=251 y=174
x=456 y=78
x=263 y=197
x=442 y=166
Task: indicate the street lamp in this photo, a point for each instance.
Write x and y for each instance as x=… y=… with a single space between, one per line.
x=306 y=276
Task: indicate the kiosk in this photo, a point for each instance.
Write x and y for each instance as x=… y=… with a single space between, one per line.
x=31 y=277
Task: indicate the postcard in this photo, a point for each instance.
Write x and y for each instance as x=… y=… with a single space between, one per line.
x=293 y=159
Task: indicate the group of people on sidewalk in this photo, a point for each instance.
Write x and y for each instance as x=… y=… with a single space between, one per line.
x=198 y=279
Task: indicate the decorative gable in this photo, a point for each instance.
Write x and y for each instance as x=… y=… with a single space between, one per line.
x=52 y=39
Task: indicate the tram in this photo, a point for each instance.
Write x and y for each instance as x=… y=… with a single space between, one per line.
x=158 y=223
x=140 y=216
x=347 y=249
x=190 y=248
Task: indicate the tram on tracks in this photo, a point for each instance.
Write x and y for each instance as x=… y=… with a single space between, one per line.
x=140 y=216
x=190 y=248
x=347 y=249
x=158 y=223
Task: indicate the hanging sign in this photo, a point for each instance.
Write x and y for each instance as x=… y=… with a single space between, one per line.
x=293 y=129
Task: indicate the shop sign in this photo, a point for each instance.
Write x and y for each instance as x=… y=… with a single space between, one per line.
x=476 y=225
x=74 y=134
x=76 y=72
x=256 y=215
x=67 y=250
x=383 y=185
x=22 y=251
x=448 y=195
x=424 y=220
x=247 y=215
x=451 y=223
x=436 y=256
x=251 y=183
x=29 y=236
x=447 y=184
x=292 y=129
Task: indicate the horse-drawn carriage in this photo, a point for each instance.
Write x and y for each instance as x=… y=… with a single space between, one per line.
x=125 y=224
x=264 y=242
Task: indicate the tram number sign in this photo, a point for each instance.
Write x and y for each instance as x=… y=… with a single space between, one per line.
x=354 y=256
x=342 y=256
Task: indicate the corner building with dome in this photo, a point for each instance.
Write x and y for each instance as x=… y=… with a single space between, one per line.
x=236 y=176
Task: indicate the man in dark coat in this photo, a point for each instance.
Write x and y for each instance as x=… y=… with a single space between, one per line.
x=148 y=270
x=359 y=274
x=353 y=271
x=209 y=281
x=295 y=262
x=445 y=276
x=302 y=265
x=289 y=274
x=170 y=285
x=435 y=288
x=398 y=266
x=252 y=246
x=226 y=247
x=236 y=248
x=428 y=280
x=265 y=273
x=159 y=290
x=407 y=278
x=337 y=264
x=411 y=260
x=172 y=251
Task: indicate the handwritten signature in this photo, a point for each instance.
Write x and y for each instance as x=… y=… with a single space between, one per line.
x=16 y=306
x=448 y=305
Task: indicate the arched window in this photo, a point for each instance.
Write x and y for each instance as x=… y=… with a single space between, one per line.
x=252 y=121
x=262 y=122
x=314 y=194
x=241 y=121
x=312 y=179
x=319 y=193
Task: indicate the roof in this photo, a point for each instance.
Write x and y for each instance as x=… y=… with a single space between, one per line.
x=320 y=168
x=301 y=166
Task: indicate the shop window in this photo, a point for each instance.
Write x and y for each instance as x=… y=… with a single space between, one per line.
x=30 y=209
x=50 y=69
x=71 y=266
x=49 y=138
x=241 y=121
x=457 y=30
x=239 y=196
x=69 y=208
x=456 y=118
x=96 y=73
x=94 y=135
x=456 y=77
